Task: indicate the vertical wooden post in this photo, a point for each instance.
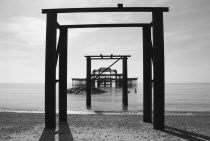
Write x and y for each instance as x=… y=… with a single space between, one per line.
x=98 y=83
x=158 y=62
x=110 y=83
x=63 y=75
x=88 y=83
x=110 y=78
x=125 y=82
x=50 y=71
x=147 y=75
x=116 y=81
x=92 y=83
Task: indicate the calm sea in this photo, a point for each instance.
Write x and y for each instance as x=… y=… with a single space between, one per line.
x=179 y=97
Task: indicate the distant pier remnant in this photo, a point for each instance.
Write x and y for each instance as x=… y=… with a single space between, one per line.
x=109 y=78
x=153 y=62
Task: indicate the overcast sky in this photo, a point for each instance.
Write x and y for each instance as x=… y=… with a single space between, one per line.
x=23 y=28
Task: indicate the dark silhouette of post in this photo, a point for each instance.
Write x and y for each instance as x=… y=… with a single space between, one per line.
x=93 y=83
x=147 y=75
x=158 y=64
x=50 y=71
x=63 y=74
x=125 y=82
x=88 y=83
x=116 y=81
x=98 y=83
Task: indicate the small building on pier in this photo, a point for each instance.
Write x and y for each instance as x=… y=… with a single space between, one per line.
x=104 y=77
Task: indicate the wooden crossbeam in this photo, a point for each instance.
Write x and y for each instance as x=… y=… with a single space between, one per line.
x=106 y=25
x=101 y=57
x=106 y=9
x=108 y=55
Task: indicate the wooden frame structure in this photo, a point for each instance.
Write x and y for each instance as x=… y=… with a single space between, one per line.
x=125 y=76
x=153 y=54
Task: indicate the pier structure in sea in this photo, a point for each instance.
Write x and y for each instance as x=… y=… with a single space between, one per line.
x=153 y=62
x=108 y=78
x=90 y=80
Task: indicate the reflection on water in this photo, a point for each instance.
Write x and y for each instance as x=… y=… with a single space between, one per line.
x=179 y=97
x=110 y=101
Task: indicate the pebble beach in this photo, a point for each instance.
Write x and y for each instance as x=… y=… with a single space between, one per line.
x=103 y=127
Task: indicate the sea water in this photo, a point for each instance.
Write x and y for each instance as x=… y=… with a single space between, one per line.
x=178 y=97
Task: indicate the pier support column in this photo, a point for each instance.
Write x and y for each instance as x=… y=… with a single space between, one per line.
x=116 y=81
x=125 y=82
x=50 y=71
x=63 y=75
x=93 y=83
x=147 y=75
x=98 y=83
x=88 y=83
x=158 y=63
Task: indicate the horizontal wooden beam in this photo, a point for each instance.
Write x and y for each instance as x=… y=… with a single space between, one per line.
x=84 y=79
x=101 y=57
x=108 y=74
x=106 y=58
x=109 y=56
x=106 y=25
x=106 y=9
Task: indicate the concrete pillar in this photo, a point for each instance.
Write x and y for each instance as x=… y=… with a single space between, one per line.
x=125 y=82
x=158 y=62
x=88 y=83
x=147 y=75
x=63 y=75
x=50 y=71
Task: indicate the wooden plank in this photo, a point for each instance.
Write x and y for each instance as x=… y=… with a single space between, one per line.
x=106 y=25
x=108 y=56
x=50 y=71
x=106 y=9
x=158 y=63
x=125 y=82
x=115 y=58
x=88 y=83
x=63 y=75
x=147 y=75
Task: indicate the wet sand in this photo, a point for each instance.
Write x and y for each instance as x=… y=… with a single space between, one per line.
x=102 y=127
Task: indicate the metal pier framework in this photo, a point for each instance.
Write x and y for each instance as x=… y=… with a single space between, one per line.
x=153 y=61
x=125 y=76
x=104 y=77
